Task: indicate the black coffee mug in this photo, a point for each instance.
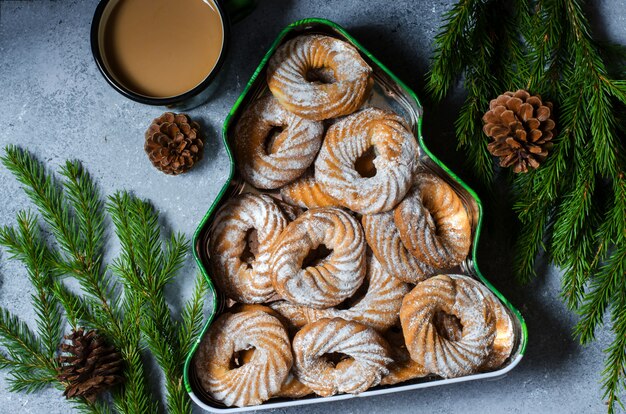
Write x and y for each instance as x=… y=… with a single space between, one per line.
x=230 y=11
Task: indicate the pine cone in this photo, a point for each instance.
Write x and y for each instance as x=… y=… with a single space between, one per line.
x=87 y=366
x=521 y=126
x=173 y=143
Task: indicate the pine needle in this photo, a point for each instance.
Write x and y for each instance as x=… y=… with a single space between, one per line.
x=134 y=397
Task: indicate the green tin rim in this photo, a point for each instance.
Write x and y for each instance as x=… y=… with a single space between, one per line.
x=257 y=71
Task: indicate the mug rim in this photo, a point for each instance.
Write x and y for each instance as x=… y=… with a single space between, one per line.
x=170 y=100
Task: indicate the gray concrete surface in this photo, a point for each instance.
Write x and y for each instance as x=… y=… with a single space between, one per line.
x=54 y=102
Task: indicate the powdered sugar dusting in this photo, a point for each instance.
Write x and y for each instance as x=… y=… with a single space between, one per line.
x=308 y=193
x=438 y=354
x=316 y=77
x=228 y=241
x=378 y=309
x=367 y=350
x=433 y=223
x=292 y=152
x=349 y=139
x=384 y=239
x=504 y=340
x=331 y=281
x=256 y=380
x=287 y=77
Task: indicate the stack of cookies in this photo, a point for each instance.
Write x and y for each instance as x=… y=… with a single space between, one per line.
x=338 y=268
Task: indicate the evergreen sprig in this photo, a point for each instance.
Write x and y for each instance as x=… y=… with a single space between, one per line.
x=148 y=273
x=124 y=300
x=481 y=30
x=31 y=355
x=573 y=208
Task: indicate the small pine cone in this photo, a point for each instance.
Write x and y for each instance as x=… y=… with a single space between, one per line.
x=173 y=143
x=522 y=129
x=88 y=366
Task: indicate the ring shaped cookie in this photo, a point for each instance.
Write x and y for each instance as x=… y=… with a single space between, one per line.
x=396 y=159
x=262 y=374
x=269 y=165
x=291 y=388
x=334 y=278
x=436 y=353
x=248 y=280
x=366 y=350
x=384 y=239
x=433 y=223
x=505 y=338
x=330 y=281
x=378 y=309
x=319 y=77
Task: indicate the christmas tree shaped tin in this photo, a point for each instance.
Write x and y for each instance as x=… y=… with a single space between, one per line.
x=389 y=92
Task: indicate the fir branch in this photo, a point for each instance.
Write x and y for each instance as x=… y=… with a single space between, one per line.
x=615 y=225
x=84 y=196
x=600 y=295
x=30 y=368
x=84 y=406
x=530 y=242
x=176 y=252
x=148 y=269
x=192 y=316
x=45 y=193
x=134 y=397
x=146 y=236
x=548 y=180
x=78 y=311
x=545 y=57
x=573 y=207
x=603 y=129
x=451 y=45
x=589 y=67
x=146 y=265
x=26 y=244
x=126 y=263
x=613 y=379
x=469 y=132
x=169 y=360
x=6 y=361
x=21 y=343
x=479 y=29
x=63 y=215
x=31 y=381
x=587 y=150
x=581 y=262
